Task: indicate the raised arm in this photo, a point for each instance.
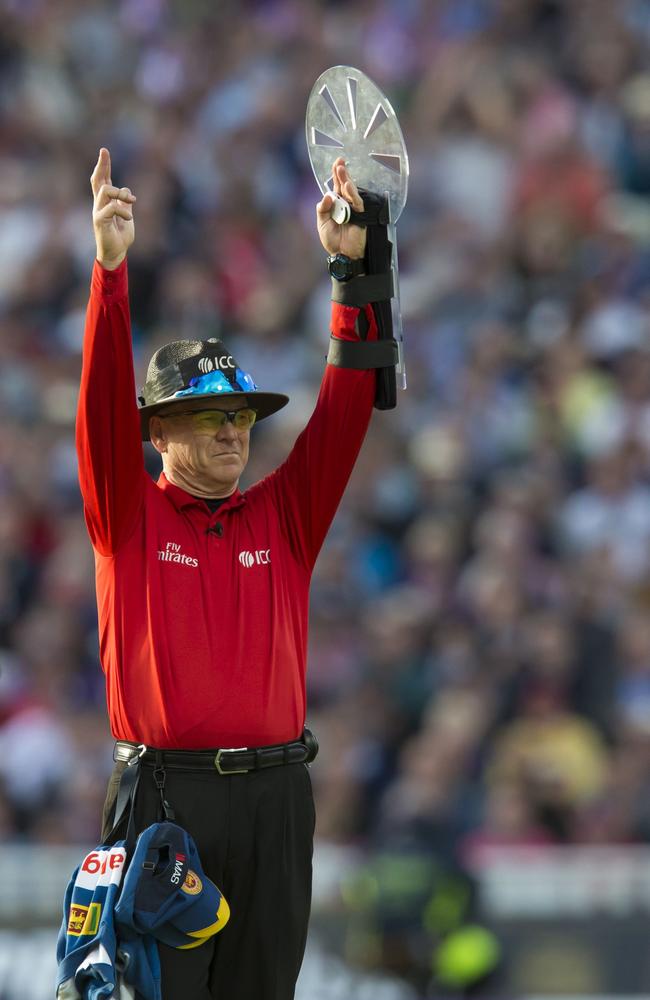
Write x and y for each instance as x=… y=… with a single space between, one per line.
x=308 y=486
x=109 y=448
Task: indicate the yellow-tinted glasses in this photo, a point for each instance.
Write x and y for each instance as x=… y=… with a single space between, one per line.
x=214 y=420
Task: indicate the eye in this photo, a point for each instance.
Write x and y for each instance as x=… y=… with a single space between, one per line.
x=244 y=419
x=209 y=420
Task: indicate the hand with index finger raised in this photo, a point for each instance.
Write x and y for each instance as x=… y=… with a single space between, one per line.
x=112 y=214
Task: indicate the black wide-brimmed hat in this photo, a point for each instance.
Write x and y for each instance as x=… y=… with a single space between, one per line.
x=192 y=372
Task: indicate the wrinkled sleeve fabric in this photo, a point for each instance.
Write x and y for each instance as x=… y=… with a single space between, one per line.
x=309 y=485
x=109 y=446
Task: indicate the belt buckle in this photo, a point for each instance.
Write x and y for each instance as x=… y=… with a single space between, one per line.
x=142 y=749
x=133 y=758
x=219 y=755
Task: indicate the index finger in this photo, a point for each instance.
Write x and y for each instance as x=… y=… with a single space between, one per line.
x=102 y=172
x=347 y=187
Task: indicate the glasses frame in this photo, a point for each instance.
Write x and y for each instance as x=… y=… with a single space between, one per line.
x=229 y=415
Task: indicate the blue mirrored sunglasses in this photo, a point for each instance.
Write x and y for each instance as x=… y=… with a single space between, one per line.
x=217 y=383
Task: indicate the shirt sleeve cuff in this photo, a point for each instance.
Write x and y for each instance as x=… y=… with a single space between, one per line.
x=344 y=319
x=110 y=284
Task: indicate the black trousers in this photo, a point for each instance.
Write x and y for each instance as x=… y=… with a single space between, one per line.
x=254 y=833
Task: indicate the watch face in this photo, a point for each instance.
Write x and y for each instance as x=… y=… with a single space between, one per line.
x=343 y=268
x=339 y=267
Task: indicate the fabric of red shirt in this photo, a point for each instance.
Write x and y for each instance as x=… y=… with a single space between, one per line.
x=203 y=634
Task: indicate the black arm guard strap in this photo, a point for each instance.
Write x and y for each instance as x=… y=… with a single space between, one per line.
x=362 y=290
x=374 y=288
x=362 y=353
x=375 y=211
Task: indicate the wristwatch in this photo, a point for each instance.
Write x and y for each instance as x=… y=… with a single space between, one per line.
x=343 y=268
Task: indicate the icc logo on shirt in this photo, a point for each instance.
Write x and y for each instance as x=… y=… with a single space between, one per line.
x=261 y=557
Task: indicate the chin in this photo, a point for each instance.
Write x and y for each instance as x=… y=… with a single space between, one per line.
x=226 y=475
x=226 y=469
x=221 y=487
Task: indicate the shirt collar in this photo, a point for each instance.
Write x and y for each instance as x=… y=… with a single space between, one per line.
x=181 y=498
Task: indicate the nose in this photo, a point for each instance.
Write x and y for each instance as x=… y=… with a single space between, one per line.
x=227 y=432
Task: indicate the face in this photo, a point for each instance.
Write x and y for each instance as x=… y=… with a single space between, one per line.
x=197 y=456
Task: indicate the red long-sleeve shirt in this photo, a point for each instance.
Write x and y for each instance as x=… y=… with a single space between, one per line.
x=203 y=634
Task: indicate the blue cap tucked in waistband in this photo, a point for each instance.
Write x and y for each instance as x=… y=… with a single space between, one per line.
x=166 y=892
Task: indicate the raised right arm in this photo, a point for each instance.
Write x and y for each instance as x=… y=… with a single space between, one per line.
x=109 y=446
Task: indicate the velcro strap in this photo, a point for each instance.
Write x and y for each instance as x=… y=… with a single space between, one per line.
x=362 y=354
x=375 y=210
x=364 y=289
x=125 y=792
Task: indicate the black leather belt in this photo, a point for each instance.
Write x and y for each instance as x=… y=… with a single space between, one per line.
x=232 y=760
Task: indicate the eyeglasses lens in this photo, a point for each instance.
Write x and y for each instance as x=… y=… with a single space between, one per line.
x=214 y=420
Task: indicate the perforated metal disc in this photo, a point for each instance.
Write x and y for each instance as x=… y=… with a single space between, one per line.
x=348 y=115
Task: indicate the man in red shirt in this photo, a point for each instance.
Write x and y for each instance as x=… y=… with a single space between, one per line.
x=202 y=595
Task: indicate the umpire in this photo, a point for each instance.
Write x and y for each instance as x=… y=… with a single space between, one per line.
x=202 y=595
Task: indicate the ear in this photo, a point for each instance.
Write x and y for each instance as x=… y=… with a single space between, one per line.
x=157 y=434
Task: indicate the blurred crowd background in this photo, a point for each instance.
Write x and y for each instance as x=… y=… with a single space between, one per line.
x=479 y=665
